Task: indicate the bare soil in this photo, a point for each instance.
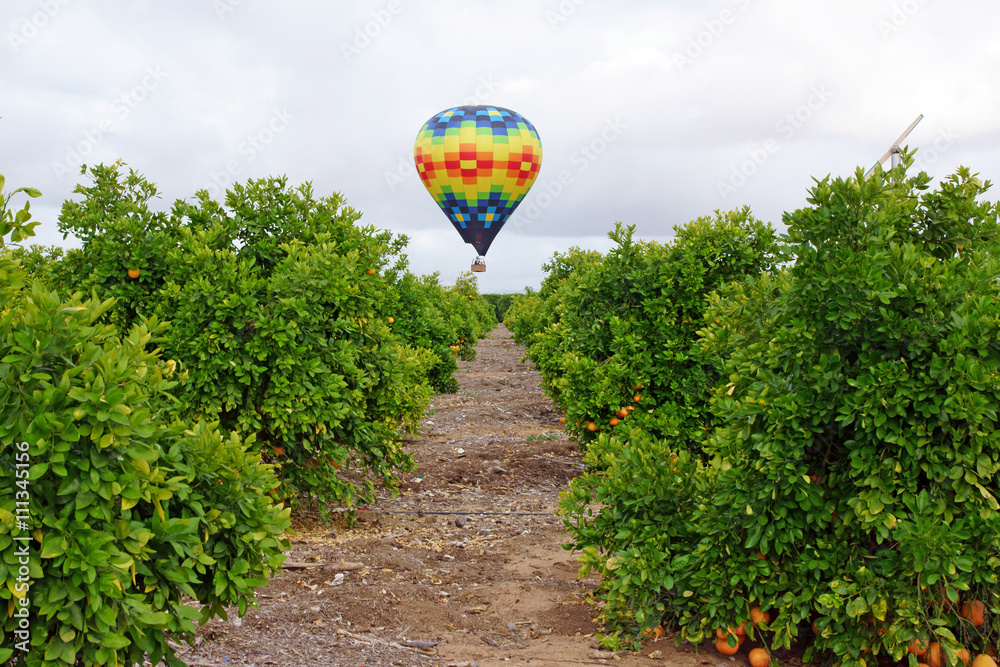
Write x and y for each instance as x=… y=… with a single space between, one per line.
x=464 y=567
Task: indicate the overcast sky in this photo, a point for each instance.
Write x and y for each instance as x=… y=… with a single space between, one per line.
x=650 y=112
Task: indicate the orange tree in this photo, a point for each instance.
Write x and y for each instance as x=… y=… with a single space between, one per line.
x=114 y=516
x=620 y=345
x=448 y=321
x=849 y=482
x=857 y=442
x=278 y=302
x=621 y=355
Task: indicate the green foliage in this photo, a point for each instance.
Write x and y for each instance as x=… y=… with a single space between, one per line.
x=286 y=337
x=848 y=479
x=279 y=303
x=501 y=303
x=19 y=226
x=118 y=231
x=111 y=512
x=441 y=319
x=622 y=327
x=859 y=423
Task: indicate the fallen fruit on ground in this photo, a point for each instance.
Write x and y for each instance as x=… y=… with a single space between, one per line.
x=759 y=657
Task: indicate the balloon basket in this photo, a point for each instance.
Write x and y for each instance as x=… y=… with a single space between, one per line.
x=478 y=268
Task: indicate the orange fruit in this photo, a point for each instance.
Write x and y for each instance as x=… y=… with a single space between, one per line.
x=637 y=398
x=614 y=421
x=623 y=413
x=562 y=420
x=934 y=655
x=654 y=633
x=975 y=611
x=133 y=273
x=917 y=647
x=591 y=426
x=723 y=647
x=759 y=657
x=758 y=616
x=761 y=556
x=963 y=655
x=278 y=451
x=390 y=320
x=370 y=272
x=984 y=660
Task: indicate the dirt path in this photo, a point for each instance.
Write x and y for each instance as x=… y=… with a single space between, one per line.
x=464 y=567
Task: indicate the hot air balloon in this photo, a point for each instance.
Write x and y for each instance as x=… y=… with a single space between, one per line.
x=478 y=162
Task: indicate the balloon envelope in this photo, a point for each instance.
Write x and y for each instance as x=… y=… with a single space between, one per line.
x=478 y=162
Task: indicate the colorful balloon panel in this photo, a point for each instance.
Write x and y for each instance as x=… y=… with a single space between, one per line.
x=478 y=163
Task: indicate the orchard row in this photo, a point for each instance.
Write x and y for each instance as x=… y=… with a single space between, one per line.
x=798 y=426
x=178 y=380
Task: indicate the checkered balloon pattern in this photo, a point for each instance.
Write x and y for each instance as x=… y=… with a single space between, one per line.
x=478 y=162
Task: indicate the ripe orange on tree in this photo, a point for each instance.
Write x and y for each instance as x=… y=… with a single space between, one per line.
x=390 y=320
x=637 y=398
x=963 y=655
x=591 y=426
x=133 y=273
x=614 y=421
x=758 y=616
x=934 y=654
x=917 y=647
x=723 y=647
x=975 y=611
x=984 y=660
x=370 y=272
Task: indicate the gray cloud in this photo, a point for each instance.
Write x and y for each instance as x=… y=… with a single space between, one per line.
x=195 y=94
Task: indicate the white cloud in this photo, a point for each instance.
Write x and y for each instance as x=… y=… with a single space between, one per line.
x=688 y=125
